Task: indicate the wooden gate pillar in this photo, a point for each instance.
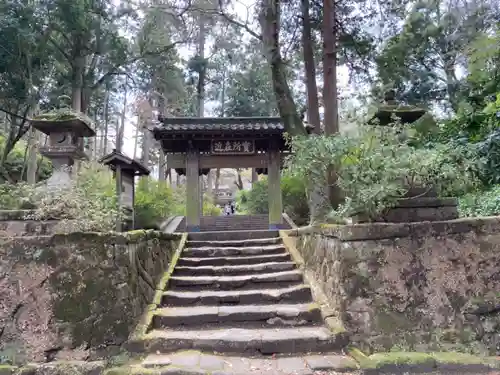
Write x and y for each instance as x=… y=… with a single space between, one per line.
x=275 y=199
x=192 y=190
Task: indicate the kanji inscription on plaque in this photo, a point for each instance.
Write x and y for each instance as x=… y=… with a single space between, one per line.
x=233 y=147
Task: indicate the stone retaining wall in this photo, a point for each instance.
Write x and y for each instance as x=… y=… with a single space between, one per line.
x=79 y=295
x=417 y=286
x=23 y=223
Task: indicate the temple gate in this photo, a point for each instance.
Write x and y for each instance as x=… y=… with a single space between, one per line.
x=193 y=146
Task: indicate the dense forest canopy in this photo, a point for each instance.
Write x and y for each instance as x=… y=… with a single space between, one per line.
x=123 y=62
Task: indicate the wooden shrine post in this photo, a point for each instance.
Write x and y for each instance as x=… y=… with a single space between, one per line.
x=274 y=188
x=192 y=189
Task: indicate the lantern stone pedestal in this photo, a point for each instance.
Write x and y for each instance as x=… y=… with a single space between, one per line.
x=65 y=146
x=125 y=169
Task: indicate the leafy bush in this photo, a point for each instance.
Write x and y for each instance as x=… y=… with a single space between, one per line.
x=481 y=203
x=153 y=202
x=16 y=196
x=89 y=204
x=15 y=164
x=255 y=201
x=378 y=165
x=480 y=127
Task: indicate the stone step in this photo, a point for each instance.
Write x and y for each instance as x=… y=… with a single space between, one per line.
x=271 y=315
x=277 y=279
x=245 y=269
x=235 y=243
x=233 y=235
x=196 y=363
x=244 y=341
x=206 y=252
x=296 y=294
x=237 y=260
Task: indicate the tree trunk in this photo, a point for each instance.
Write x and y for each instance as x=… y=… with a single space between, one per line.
x=330 y=104
x=121 y=128
x=106 y=120
x=210 y=182
x=331 y=121
x=310 y=70
x=239 y=180
x=77 y=83
x=201 y=74
x=255 y=176
x=269 y=19
x=34 y=138
x=161 y=165
x=146 y=142
x=217 y=181
x=136 y=137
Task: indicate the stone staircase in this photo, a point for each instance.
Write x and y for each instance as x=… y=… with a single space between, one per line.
x=238 y=295
x=231 y=223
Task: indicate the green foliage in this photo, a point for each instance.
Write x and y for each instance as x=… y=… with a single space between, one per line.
x=481 y=128
x=153 y=202
x=255 y=201
x=89 y=204
x=481 y=203
x=15 y=163
x=378 y=165
x=210 y=209
x=421 y=60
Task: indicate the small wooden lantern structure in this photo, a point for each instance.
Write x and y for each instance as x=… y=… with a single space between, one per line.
x=125 y=169
x=66 y=133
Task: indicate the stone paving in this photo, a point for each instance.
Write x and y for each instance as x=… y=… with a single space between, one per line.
x=199 y=363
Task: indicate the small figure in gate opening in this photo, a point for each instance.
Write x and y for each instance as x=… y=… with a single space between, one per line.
x=227 y=209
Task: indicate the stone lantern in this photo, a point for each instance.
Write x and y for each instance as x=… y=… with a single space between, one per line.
x=421 y=203
x=125 y=169
x=66 y=131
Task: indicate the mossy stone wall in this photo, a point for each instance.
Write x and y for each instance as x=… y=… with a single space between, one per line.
x=77 y=295
x=417 y=286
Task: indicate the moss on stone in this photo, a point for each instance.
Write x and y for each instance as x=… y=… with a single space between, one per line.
x=379 y=360
x=163 y=283
x=7 y=369
x=144 y=323
x=63 y=368
x=458 y=358
x=360 y=357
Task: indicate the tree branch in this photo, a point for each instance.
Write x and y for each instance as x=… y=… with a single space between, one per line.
x=116 y=69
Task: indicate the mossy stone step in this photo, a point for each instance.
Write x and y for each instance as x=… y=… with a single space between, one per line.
x=234 y=270
x=296 y=294
x=243 y=341
x=235 y=243
x=267 y=315
x=207 y=252
x=233 y=260
x=277 y=279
